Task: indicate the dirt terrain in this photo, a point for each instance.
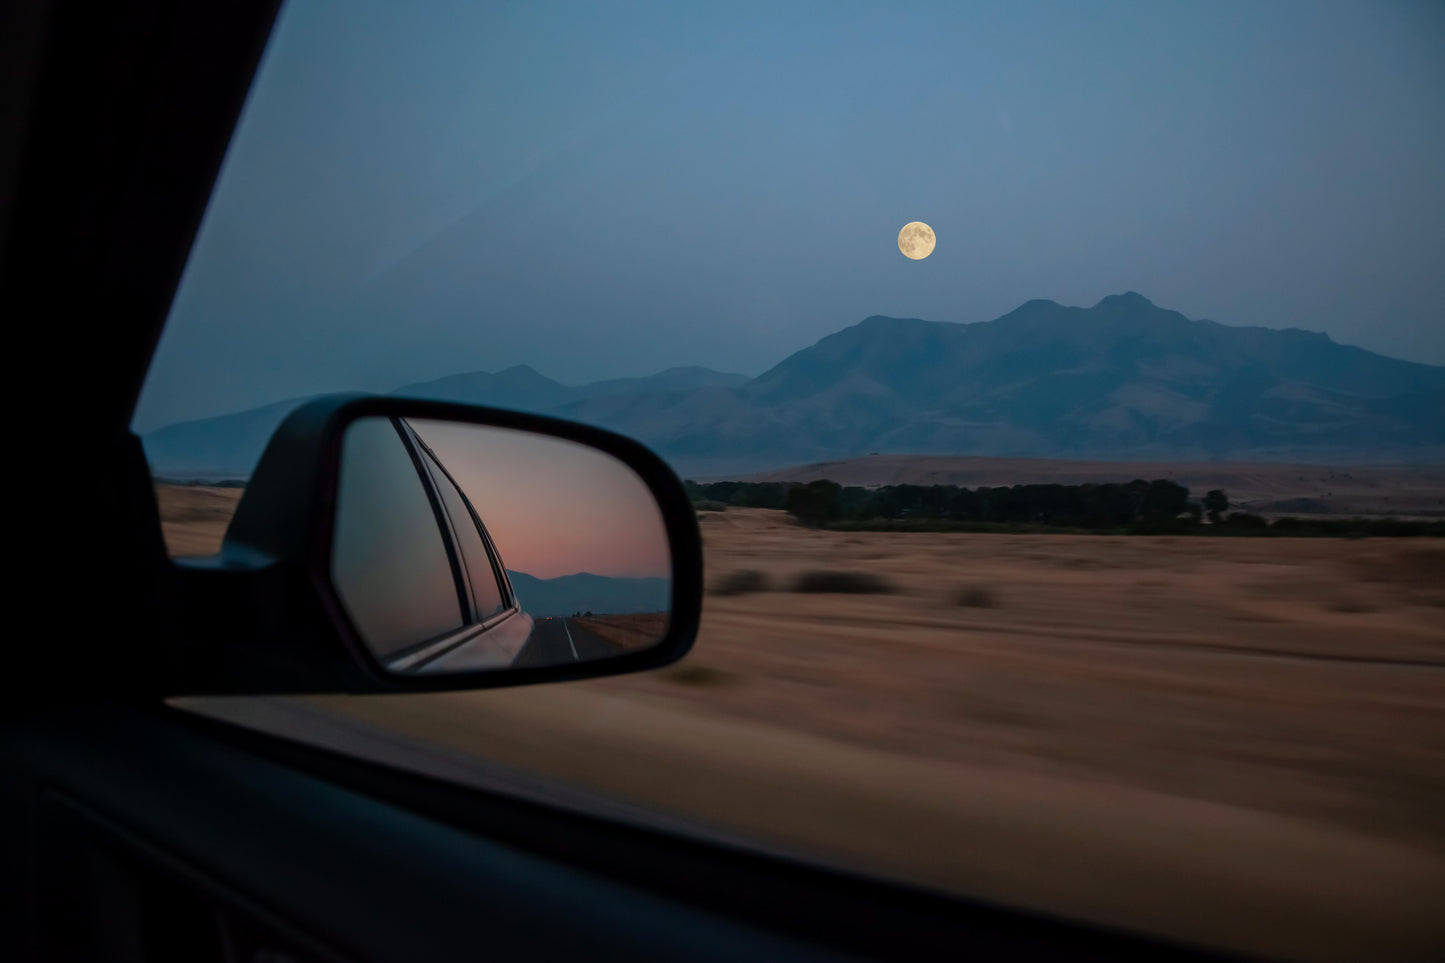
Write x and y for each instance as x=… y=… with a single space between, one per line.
x=194 y=517
x=1235 y=741
x=1263 y=487
x=1224 y=669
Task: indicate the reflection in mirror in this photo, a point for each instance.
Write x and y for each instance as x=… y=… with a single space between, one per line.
x=461 y=547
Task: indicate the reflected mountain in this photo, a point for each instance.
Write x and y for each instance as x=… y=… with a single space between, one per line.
x=585 y=592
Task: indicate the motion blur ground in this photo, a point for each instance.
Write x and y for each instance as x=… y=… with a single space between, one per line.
x=1234 y=741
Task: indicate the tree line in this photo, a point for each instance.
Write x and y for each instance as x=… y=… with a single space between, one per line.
x=1139 y=507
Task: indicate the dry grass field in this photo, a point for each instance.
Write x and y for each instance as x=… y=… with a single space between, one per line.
x=1234 y=741
x=194 y=517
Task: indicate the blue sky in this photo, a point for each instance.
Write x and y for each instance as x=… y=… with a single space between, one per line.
x=609 y=189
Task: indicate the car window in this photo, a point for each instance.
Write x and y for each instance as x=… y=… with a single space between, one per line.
x=390 y=562
x=487 y=597
x=1058 y=386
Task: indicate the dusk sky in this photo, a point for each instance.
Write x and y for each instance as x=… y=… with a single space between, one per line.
x=610 y=189
x=553 y=507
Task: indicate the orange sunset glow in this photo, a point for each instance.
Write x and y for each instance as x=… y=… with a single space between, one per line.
x=553 y=507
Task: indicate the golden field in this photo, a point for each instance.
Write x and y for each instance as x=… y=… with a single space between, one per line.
x=1234 y=741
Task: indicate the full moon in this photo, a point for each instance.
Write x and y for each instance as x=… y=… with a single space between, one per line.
x=916 y=240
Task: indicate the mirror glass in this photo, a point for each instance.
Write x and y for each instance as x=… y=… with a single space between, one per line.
x=460 y=547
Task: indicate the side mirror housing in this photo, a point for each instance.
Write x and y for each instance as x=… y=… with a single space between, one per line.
x=389 y=545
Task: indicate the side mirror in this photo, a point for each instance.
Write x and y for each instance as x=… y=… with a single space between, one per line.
x=386 y=545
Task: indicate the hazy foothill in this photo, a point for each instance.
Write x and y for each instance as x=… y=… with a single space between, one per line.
x=1122 y=380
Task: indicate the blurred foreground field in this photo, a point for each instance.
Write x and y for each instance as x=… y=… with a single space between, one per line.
x=1239 y=742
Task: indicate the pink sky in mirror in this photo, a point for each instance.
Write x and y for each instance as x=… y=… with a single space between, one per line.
x=553 y=507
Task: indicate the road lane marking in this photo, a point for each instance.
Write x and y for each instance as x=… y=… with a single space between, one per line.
x=575 y=656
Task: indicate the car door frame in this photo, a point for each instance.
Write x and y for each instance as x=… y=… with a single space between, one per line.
x=418 y=655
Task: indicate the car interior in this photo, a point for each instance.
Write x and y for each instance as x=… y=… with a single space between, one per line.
x=131 y=830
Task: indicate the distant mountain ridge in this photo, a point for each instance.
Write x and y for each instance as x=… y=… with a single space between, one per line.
x=523 y=388
x=1124 y=379
x=585 y=592
x=226 y=446
x=229 y=446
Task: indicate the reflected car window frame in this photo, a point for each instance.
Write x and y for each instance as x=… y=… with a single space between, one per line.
x=459 y=619
x=415 y=657
x=493 y=558
x=424 y=460
x=433 y=497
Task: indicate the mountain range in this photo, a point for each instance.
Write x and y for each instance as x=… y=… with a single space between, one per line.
x=1124 y=379
x=585 y=592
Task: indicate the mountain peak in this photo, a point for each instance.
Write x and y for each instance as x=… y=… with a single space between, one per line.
x=696 y=370
x=1129 y=299
x=1034 y=311
x=884 y=321
x=522 y=371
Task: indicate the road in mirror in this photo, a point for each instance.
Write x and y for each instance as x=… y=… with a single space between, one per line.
x=460 y=547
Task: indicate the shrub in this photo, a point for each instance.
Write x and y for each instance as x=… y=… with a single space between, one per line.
x=742 y=582
x=849 y=583
x=1351 y=606
x=710 y=505
x=815 y=503
x=977 y=597
x=699 y=675
x=1239 y=523
x=1162 y=525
